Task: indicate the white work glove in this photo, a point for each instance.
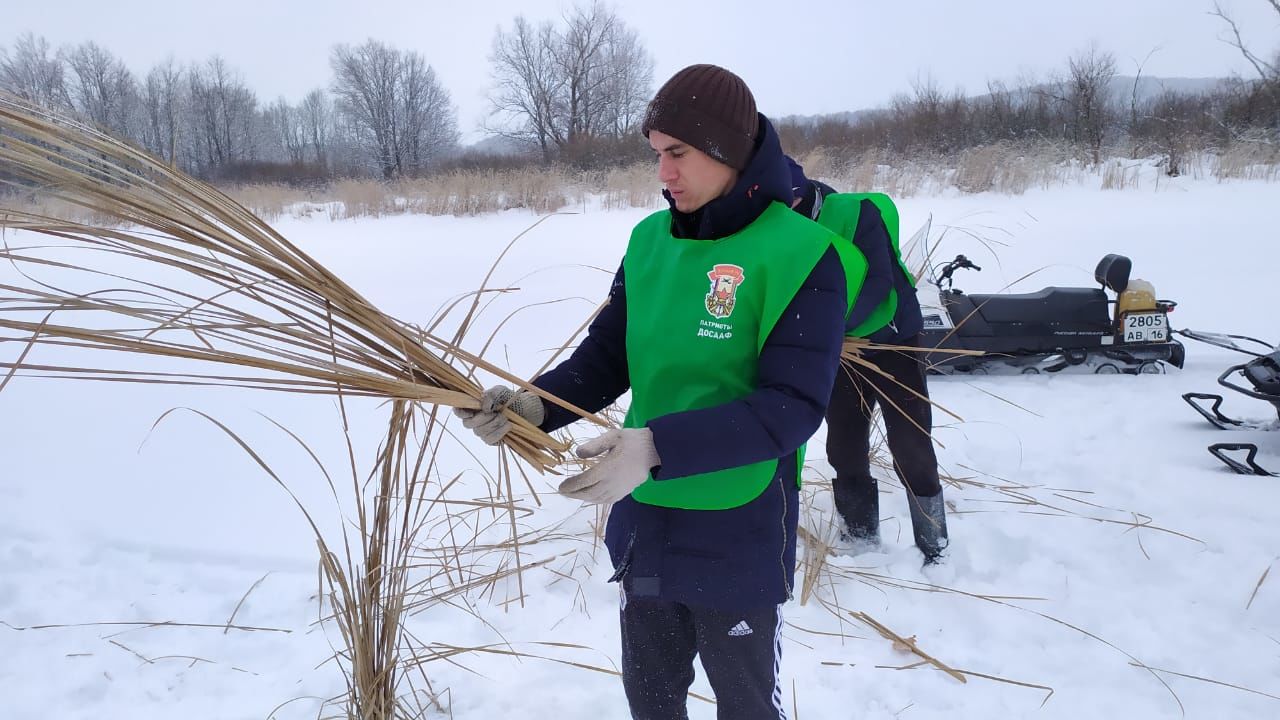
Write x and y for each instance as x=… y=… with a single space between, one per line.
x=626 y=457
x=490 y=424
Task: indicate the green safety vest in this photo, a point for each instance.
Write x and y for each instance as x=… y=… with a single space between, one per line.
x=698 y=314
x=839 y=213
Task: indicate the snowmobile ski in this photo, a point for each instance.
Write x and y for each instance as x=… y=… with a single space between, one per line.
x=1248 y=466
x=1214 y=415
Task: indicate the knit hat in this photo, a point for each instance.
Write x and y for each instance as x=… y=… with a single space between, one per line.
x=709 y=108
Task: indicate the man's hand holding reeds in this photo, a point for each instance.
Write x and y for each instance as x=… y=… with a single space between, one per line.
x=489 y=423
x=626 y=458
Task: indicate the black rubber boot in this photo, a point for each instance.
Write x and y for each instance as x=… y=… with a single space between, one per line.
x=859 y=506
x=929 y=524
x=859 y=512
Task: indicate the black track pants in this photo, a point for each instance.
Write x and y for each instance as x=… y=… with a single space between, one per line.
x=740 y=652
x=908 y=420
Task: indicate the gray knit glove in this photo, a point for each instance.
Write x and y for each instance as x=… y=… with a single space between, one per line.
x=628 y=456
x=489 y=424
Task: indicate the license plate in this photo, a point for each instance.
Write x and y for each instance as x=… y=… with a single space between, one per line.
x=1145 y=327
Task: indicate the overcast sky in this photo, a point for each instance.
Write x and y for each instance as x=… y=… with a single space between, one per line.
x=821 y=57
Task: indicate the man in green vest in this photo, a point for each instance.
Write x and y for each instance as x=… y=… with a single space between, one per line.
x=886 y=312
x=725 y=321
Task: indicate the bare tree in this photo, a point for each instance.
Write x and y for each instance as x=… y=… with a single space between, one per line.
x=396 y=102
x=223 y=112
x=32 y=72
x=364 y=83
x=929 y=119
x=996 y=112
x=348 y=147
x=628 y=70
x=581 y=57
x=588 y=80
x=165 y=107
x=103 y=89
x=1133 y=99
x=1168 y=125
x=925 y=111
x=1267 y=71
x=1262 y=101
x=1088 y=97
x=428 y=122
x=527 y=85
x=317 y=124
x=286 y=126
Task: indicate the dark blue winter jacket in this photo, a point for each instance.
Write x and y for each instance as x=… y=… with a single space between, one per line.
x=743 y=557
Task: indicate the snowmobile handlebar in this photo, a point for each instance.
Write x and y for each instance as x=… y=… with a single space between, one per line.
x=948 y=269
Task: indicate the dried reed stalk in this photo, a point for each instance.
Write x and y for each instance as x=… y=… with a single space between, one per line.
x=908 y=643
x=271 y=311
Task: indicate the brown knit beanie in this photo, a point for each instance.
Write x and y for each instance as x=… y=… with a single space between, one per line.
x=709 y=108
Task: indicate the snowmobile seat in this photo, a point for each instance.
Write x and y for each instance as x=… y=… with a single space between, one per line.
x=1053 y=305
x=1113 y=272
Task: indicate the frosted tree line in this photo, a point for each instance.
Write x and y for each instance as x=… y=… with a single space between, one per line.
x=572 y=89
x=384 y=114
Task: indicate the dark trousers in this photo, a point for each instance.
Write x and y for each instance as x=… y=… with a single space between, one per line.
x=740 y=652
x=908 y=420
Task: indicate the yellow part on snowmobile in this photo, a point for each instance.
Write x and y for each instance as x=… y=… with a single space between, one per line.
x=1139 y=296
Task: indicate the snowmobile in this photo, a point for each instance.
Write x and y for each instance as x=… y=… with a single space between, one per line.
x=1053 y=330
x=1263 y=373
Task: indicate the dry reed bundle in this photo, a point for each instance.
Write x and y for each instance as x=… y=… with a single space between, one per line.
x=276 y=315
x=272 y=318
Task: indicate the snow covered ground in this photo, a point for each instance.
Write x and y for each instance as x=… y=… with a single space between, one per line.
x=104 y=520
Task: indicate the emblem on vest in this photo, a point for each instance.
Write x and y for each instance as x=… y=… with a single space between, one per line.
x=725 y=280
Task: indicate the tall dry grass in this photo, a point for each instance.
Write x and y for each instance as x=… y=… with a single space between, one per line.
x=1013 y=168
x=1007 y=168
x=1010 y=168
x=460 y=193
x=1121 y=175
x=269 y=201
x=474 y=192
x=195 y=278
x=632 y=186
x=1247 y=159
